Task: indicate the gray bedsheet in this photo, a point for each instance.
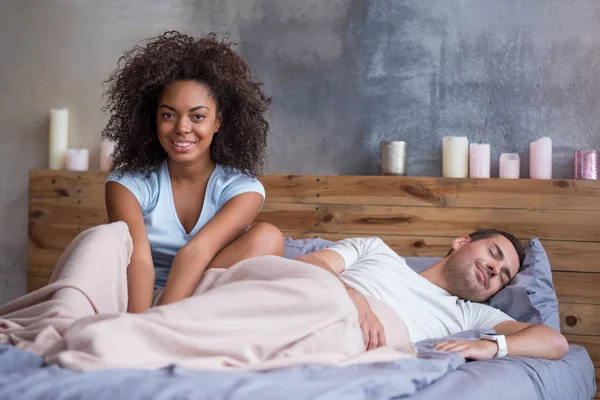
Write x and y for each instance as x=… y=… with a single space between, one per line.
x=433 y=375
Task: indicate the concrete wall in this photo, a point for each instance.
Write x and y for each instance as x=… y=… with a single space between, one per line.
x=343 y=74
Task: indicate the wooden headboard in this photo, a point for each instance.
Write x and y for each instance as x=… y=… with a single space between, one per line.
x=416 y=216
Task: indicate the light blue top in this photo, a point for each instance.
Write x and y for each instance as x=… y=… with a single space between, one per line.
x=165 y=232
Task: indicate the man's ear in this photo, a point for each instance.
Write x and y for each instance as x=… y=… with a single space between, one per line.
x=460 y=242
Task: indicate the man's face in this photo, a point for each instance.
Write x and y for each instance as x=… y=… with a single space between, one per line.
x=477 y=270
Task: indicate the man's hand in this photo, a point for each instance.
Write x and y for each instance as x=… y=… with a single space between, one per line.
x=372 y=328
x=473 y=349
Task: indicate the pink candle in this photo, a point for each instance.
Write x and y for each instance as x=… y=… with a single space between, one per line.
x=587 y=164
x=510 y=165
x=77 y=159
x=479 y=160
x=540 y=159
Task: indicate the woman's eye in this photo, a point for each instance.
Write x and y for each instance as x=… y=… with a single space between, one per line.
x=167 y=115
x=198 y=117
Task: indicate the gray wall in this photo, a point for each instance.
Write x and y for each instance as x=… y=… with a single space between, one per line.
x=343 y=74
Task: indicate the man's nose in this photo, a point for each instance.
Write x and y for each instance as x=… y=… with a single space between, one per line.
x=492 y=270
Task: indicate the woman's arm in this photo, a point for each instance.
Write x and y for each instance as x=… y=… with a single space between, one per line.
x=122 y=205
x=232 y=220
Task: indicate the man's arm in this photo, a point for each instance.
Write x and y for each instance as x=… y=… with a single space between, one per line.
x=372 y=329
x=532 y=340
x=522 y=339
x=329 y=260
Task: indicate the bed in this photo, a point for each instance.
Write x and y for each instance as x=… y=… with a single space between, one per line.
x=418 y=217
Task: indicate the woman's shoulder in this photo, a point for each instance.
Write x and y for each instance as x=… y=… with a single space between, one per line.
x=140 y=177
x=145 y=185
x=229 y=182
x=231 y=175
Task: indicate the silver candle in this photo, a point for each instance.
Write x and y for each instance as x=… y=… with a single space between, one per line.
x=393 y=157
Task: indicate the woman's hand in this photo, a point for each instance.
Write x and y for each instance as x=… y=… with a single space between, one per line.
x=372 y=328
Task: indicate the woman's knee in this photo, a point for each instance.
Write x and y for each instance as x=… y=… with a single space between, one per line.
x=267 y=237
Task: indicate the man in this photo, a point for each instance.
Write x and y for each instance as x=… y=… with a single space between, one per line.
x=444 y=299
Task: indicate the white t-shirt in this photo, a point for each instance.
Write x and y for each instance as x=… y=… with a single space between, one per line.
x=428 y=311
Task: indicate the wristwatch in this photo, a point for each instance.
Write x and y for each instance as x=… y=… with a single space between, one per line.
x=500 y=341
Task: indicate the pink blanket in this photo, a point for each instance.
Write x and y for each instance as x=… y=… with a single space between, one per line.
x=262 y=313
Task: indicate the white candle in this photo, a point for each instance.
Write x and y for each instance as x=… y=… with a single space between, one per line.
x=455 y=156
x=479 y=160
x=106 y=150
x=59 y=136
x=77 y=159
x=540 y=159
x=510 y=166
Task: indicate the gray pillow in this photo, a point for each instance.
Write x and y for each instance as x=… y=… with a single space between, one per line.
x=530 y=296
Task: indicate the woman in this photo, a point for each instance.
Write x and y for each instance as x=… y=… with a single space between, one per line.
x=190 y=137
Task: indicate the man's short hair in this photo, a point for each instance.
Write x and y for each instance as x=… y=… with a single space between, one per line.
x=481 y=234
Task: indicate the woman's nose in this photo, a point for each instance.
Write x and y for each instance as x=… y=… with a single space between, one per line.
x=184 y=125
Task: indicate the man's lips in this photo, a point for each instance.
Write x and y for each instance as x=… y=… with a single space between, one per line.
x=484 y=275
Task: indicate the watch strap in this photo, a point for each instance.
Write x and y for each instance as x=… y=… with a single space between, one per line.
x=500 y=341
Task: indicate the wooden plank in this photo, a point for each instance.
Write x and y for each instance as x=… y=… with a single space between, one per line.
x=53 y=236
x=380 y=220
x=36 y=281
x=577 y=288
x=43 y=261
x=63 y=183
x=573 y=256
x=563 y=255
x=579 y=319
x=373 y=190
x=591 y=344
x=597 y=395
x=584 y=257
x=66 y=214
x=433 y=191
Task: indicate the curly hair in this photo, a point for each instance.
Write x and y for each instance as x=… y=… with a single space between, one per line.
x=142 y=75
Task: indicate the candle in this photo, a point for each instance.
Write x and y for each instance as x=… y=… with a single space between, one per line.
x=393 y=158
x=59 y=136
x=77 y=159
x=587 y=164
x=455 y=156
x=106 y=150
x=540 y=159
x=510 y=166
x=479 y=162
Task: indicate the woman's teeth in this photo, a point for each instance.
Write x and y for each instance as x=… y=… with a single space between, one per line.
x=182 y=144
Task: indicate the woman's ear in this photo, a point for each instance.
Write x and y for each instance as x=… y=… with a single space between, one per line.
x=218 y=122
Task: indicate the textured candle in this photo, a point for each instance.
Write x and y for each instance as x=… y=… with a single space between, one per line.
x=510 y=165
x=393 y=158
x=540 y=159
x=106 y=150
x=587 y=164
x=59 y=136
x=455 y=156
x=77 y=159
x=479 y=163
